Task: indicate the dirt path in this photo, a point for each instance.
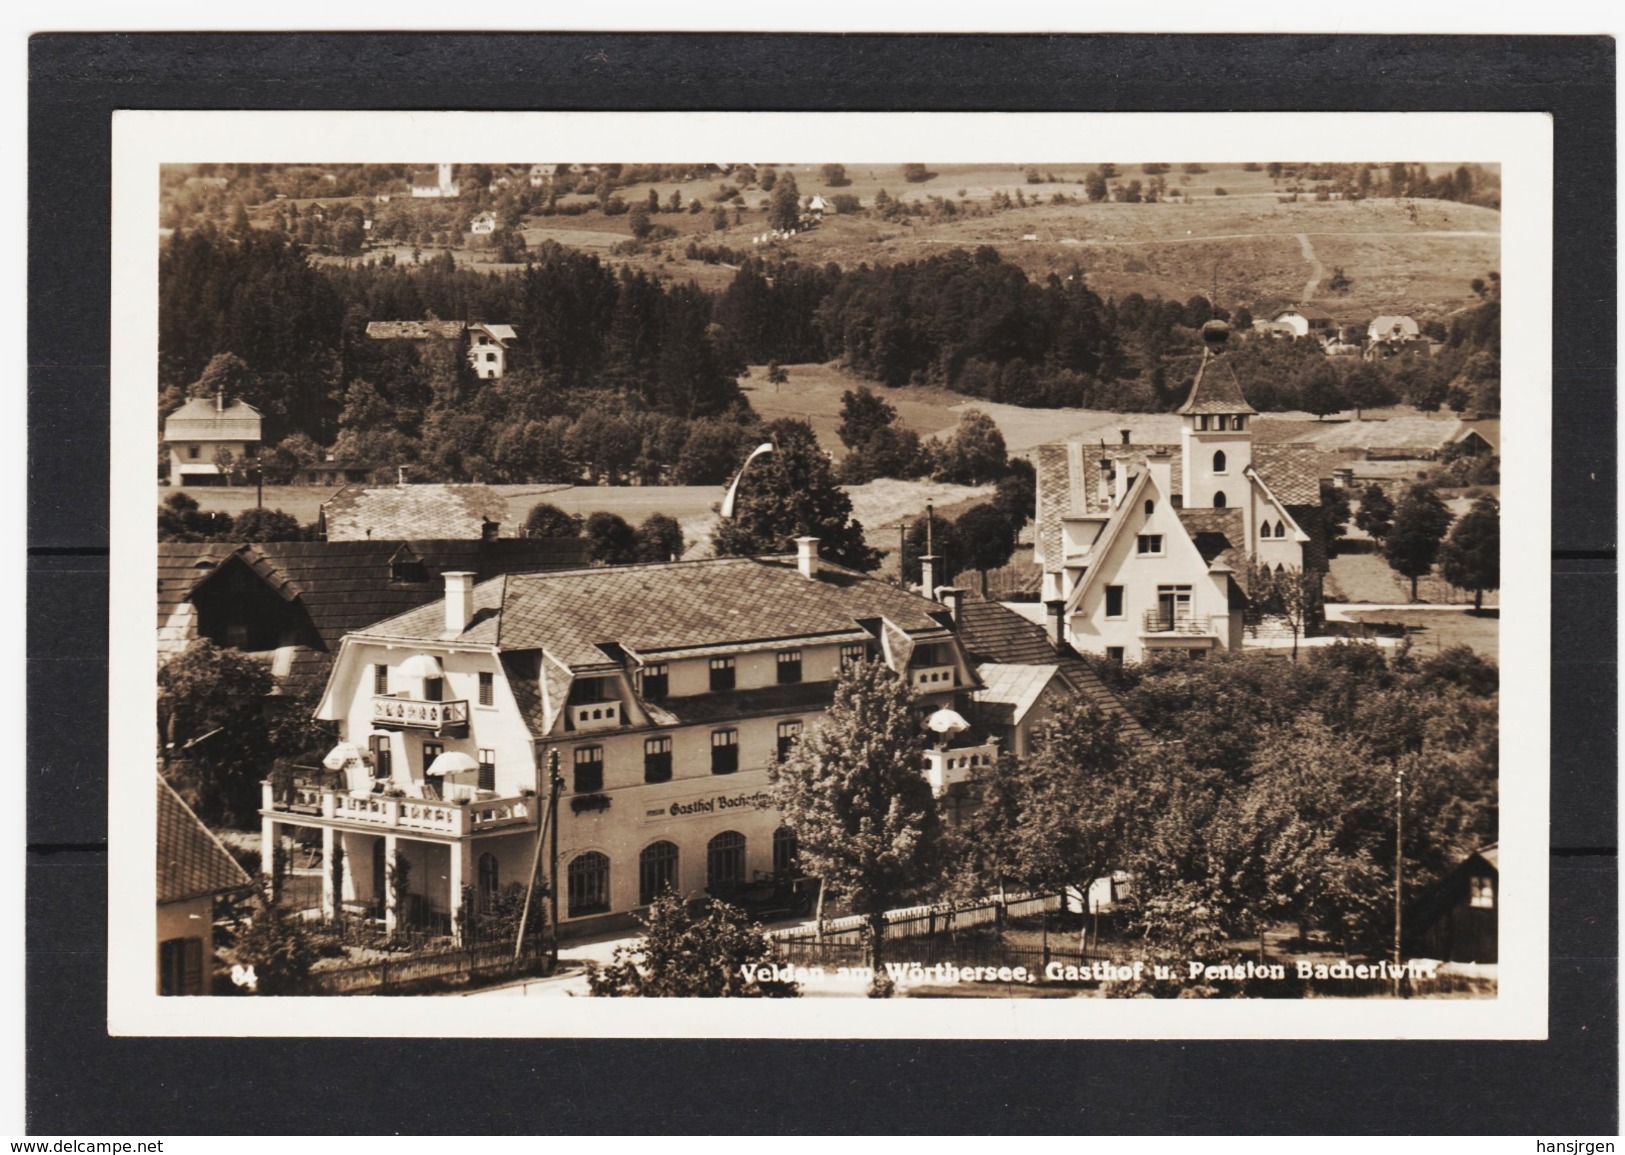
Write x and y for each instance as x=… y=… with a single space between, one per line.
x=1316 y=272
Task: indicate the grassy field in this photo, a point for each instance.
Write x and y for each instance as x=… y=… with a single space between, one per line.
x=1432 y=631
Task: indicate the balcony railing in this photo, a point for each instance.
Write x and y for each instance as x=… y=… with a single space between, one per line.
x=416 y=714
x=945 y=768
x=930 y=678
x=1158 y=622
x=408 y=815
x=595 y=715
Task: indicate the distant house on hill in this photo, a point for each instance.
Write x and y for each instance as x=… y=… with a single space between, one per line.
x=540 y=174
x=462 y=512
x=1458 y=918
x=193 y=870
x=203 y=429
x=487 y=344
x=1308 y=321
x=483 y=224
x=433 y=183
x=1393 y=328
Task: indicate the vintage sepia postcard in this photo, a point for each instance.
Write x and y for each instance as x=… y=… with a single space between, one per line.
x=963 y=576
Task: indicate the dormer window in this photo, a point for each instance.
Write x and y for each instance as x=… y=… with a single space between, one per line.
x=586 y=691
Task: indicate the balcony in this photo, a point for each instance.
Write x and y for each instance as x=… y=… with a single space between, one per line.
x=385 y=813
x=945 y=768
x=594 y=715
x=1158 y=622
x=930 y=678
x=393 y=713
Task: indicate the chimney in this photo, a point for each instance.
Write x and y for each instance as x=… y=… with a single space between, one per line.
x=1057 y=619
x=1161 y=468
x=954 y=598
x=459 y=600
x=928 y=575
x=807 y=557
x=1119 y=481
x=220 y=401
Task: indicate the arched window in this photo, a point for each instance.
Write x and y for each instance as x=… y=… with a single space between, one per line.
x=1280 y=530
x=1218 y=461
x=1150 y=507
x=725 y=860
x=1219 y=500
x=785 y=849
x=657 y=871
x=587 y=884
x=488 y=881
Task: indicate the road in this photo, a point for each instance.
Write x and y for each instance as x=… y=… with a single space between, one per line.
x=1315 y=270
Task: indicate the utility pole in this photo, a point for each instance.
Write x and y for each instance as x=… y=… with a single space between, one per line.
x=557 y=784
x=1399 y=869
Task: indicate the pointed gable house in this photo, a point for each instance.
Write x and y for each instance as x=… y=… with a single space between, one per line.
x=1147 y=547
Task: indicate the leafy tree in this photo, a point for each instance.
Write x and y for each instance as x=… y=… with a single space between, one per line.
x=548 y=520
x=1293 y=594
x=267 y=525
x=776 y=375
x=1376 y=516
x=659 y=538
x=1016 y=493
x=890 y=451
x=975 y=454
x=863 y=413
x=1094 y=185
x=791 y=493
x=1333 y=517
x=277 y=947
x=710 y=454
x=835 y=175
x=854 y=793
x=701 y=952
x=784 y=211
x=987 y=539
x=916 y=173
x=1471 y=556
x=1412 y=545
x=1365 y=387
x=1321 y=392
x=225 y=373
x=638 y=221
x=211 y=725
x=613 y=540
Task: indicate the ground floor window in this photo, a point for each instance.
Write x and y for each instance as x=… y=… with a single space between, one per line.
x=489 y=881
x=587 y=884
x=657 y=871
x=784 y=850
x=725 y=860
x=180 y=966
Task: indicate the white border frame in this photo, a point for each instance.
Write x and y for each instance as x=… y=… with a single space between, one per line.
x=1521 y=143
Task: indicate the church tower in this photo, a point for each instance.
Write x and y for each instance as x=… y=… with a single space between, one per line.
x=1216 y=440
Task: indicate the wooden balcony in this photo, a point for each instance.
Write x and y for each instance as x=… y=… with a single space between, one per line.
x=594 y=715
x=945 y=768
x=931 y=678
x=386 y=813
x=393 y=713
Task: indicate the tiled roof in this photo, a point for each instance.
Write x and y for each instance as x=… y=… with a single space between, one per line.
x=1293 y=472
x=359 y=513
x=414 y=330
x=1015 y=686
x=503 y=333
x=191 y=861
x=1216 y=389
x=1389 y=327
x=995 y=634
x=671 y=606
x=1054 y=502
x=1312 y=312
x=199 y=420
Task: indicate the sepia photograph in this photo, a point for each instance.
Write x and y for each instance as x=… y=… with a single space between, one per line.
x=1071 y=579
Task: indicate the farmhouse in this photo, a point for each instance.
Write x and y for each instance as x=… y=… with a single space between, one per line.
x=483 y=224
x=1147 y=547
x=292 y=602
x=1307 y=321
x=208 y=433
x=660 y=693
x=193 y=870
x=466 y=512
x=487 y=344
